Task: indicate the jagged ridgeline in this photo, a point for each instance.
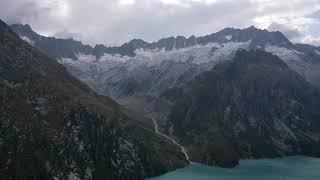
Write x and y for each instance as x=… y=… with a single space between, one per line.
x=52 y=126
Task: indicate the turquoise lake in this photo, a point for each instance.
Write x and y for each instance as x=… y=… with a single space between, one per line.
x=288 y=168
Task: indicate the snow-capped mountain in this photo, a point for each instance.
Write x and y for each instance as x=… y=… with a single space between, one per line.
x=149 y=71
x=140 y=68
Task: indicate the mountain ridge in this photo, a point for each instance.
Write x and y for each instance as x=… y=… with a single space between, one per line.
x=303 y=58
x=168 y=43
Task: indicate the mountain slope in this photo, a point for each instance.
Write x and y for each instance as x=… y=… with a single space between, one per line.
x=52 y=47
x=66 y=48
x=252 y=107
x=54 y=127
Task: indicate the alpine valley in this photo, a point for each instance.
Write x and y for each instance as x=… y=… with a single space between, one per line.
x=143 y=109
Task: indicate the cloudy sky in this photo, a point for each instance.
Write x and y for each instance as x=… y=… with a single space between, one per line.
x=113 y=22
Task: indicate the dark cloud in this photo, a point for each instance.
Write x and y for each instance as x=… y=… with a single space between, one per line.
x=66 y=34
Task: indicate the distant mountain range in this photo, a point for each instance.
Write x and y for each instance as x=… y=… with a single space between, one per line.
x=237 y=93
x=301 y=57
x=69 y=48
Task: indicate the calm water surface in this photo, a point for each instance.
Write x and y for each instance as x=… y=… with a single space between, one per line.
x=289 y=168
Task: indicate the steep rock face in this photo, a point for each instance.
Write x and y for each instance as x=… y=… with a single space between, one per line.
x=312 y=52
x=252 y=107
x=53 y=127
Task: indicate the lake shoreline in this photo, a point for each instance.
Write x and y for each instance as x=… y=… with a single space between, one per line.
x=289 y=167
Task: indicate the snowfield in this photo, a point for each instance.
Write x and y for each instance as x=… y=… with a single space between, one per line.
x=153 y=71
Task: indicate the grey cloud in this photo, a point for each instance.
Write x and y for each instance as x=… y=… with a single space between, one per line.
x=289 y=32
x=66 y=34
x=315 y=15
x=107 y=22
x=23 y=11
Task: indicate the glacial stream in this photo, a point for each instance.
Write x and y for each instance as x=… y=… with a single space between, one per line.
x=156 y=128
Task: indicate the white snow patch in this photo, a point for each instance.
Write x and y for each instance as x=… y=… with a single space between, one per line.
x=317 y=52
x=284 y=53
x=294 y=60
x=201 y=54
x=149 y=58
x=25 y=38
x=86 y=58
x=228 y=37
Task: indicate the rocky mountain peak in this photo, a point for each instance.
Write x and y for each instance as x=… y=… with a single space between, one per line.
x=258 y=37
x=99 y=50
x=137 y=44
x=23 y=27
x=26 y=31
x=252 y=28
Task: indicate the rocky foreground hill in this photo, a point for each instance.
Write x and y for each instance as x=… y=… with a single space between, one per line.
x=52 y=126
